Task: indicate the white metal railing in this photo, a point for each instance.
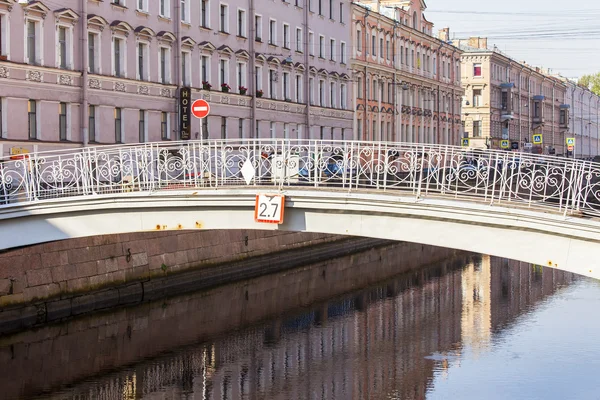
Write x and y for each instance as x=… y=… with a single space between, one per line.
x=419 y=170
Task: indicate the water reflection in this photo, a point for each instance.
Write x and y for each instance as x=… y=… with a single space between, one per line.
x=390 y=340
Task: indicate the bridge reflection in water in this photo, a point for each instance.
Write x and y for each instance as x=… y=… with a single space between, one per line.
x=384 y=341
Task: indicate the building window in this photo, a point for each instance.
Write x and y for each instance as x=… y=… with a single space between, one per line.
x=286 y=131
x=322 y=132
x=165 y=65
x=321 y=46
x=332 y=95
x=477 y=129
x=205 y=65
x=165 y=8
x=388 y=53
x=118 y=126
x=33 y=50
x=62 y=121
x=223 y=127
x=359 y=89
x=186 y=71
x=258 y=78
x=311 y=91
x=341 y=12
x=299 y=48
x=286 y=86
x=272 y=31
x=343 y=53
x=142 y=5
x=331 y=9
x=223 y=70
x=373 y=45
x=358 y=40
x=332 y=49
x=142 y=127
x=321 y=93
x=241 y=128
x=205 y=132
x=185 y=11
x=298 y=88
x=359 y=129
x=142 y=61
x=381 y=48
x=477 y=98
x=164 y=125
x=92 y=52
x=563 y=117
x=241 y=74
x=204 y=14
x=241 y=23
x=311 y=43
x=62 y=48
x=272 y=130
x=272 y=83
x=92 y=123
x=32 y=119
x=4 y=29
x=286 y=36
x=476 y=69
x=258 y=28
x=118 y=57
x=343 y=95
x=223 y=20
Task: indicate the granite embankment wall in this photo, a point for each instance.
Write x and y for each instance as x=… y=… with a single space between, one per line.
x=68 y=267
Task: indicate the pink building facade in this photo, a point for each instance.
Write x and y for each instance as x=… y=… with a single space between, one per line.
x=407 y=81
x=104 y=72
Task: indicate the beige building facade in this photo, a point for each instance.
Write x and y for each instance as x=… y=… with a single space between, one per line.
x=511 y=105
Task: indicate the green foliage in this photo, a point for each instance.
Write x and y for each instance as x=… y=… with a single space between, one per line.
x=591 y=82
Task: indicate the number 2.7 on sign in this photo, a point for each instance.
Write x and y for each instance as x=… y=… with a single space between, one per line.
x=269 y=208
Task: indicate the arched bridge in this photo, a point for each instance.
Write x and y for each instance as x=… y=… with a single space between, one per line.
x=537 y=209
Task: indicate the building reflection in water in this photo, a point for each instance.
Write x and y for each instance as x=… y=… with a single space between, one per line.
x=387 y=341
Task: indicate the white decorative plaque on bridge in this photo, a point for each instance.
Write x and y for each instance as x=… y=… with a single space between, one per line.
x=269 y=208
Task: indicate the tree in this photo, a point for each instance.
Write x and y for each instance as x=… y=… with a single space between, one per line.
x=591 y=82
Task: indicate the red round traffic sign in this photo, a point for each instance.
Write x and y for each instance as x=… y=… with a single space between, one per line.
x=200 y=108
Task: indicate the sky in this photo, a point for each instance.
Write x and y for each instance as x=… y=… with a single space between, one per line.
x=563 y=36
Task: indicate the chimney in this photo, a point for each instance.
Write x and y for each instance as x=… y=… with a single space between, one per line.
x=478 y=43
x=444 y=34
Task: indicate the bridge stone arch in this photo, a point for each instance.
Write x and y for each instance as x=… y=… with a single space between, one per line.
x=518 y=234
x=535 y=209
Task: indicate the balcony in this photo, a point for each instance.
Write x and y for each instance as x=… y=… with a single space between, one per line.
x=538 y=110
x=506 y=112
x=564 y=116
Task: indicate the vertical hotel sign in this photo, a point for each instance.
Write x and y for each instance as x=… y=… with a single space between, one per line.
x=185 y=96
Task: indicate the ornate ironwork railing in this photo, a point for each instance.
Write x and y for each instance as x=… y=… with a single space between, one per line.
x=418 y=170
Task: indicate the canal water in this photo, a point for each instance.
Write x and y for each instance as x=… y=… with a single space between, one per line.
x=470 y=327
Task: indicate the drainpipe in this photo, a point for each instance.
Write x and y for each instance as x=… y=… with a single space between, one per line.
x=453 y=74
x=252 y=84
x=84 y=75
x=439 y=90
x=590 y=124
x=178 y=64
x=394 y=133
x=582 y=128
x=553 y=116
x=307 y=70
x=365 y=97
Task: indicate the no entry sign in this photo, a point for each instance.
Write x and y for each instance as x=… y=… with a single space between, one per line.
x=200 y=108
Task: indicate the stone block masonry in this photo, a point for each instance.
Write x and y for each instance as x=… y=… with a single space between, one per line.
x=80 y=265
